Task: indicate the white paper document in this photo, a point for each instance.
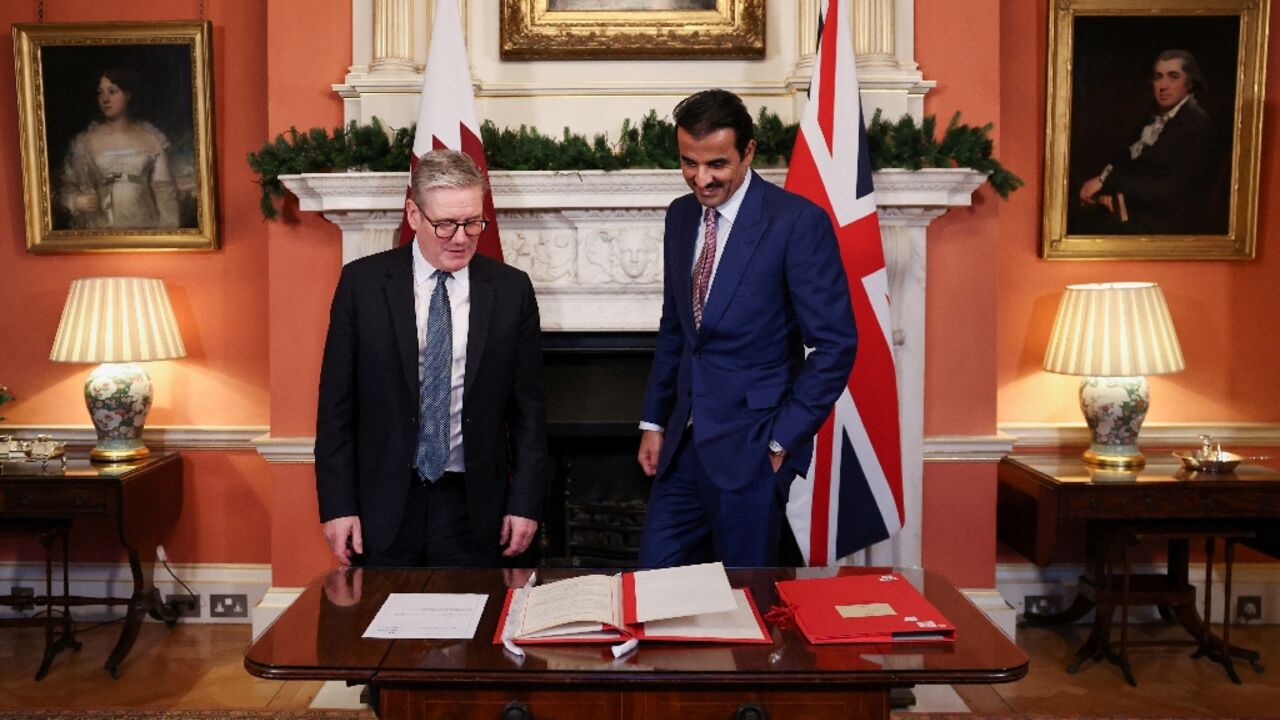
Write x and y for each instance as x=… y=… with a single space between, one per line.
x=428 y=616
x=737 y=624
x=682 y=591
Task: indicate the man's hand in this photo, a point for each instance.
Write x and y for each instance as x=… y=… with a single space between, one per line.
x=517 y=533
x=344 y=538
x=342 y=587
x=775 y=459
x=650 y=447
x=85 y=202
x=1090 y=189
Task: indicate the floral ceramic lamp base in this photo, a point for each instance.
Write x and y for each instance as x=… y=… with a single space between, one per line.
x=1114 y=408
x=118 y=396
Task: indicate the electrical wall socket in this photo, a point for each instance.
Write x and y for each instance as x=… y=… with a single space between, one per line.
x=1041 y=604
x=23 y=597
x=186 y=605
x=228 y=606
x=1248 y=608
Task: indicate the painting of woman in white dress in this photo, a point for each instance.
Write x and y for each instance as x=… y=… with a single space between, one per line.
x=117 y=172
x=117 y=136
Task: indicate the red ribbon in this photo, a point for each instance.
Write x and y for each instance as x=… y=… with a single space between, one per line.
x=781 y=616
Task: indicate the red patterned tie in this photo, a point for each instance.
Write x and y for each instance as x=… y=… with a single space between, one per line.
x=702 y=268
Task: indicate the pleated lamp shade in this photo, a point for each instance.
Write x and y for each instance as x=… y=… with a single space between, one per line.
x=117 y=320
x=1113 y=330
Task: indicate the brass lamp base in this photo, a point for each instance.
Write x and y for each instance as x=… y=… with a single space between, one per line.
x=119 y=455
x=1098 y=457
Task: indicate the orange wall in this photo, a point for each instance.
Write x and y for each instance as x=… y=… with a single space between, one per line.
x=1223 y=310
x=305 y=259
x=219 y=297
x=958 y=45
x=992 y=299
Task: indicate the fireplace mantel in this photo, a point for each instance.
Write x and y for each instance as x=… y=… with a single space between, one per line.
x=592 y=243
x=591 y=240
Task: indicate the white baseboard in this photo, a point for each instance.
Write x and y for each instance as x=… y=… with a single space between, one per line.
x=1015 y=581
x=996 y=608
x=273 y=602
x=116 y=580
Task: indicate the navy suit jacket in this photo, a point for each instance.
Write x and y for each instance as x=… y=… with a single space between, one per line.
x=367 y=420
x=780 y=286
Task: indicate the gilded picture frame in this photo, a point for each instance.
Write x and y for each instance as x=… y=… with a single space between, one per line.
x=632 y=29
x=116 y=136
x=1153 y=129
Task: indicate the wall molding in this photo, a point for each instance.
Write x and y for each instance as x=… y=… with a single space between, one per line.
x=1076 y=434
x=967 y=448
x=286 y=450
x=157 y=437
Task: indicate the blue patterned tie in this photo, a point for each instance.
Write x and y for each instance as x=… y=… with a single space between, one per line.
x=436 y=365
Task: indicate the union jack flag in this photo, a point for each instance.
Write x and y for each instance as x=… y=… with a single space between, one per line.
x=447 y=112
x=852 y=496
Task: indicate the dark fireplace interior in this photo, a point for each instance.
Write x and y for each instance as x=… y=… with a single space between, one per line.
x=596 y=492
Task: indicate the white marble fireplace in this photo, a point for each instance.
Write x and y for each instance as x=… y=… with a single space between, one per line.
x=592 y=243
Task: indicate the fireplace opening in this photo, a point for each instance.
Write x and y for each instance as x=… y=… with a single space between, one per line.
x=596 y=492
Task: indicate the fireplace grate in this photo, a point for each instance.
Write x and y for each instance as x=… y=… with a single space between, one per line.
x=603 y=534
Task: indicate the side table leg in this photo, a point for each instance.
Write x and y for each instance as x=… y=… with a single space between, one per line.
x=137 y=608
x=56 y=641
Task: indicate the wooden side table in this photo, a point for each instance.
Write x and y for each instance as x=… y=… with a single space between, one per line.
x=143 y=499
x=1042 y=499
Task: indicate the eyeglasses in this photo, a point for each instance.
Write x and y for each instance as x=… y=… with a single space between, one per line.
x=446 y=229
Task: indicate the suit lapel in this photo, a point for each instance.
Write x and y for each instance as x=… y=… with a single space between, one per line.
x=684 y=263
x=741 y=243
x=481 y=309
x=404 y=322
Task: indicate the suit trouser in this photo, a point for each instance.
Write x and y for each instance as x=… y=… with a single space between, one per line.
x=436 y=530
x=690 y=519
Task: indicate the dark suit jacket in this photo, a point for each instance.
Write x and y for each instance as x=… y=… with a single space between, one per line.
x=1169 y=188
x=780 y=286
x=367 y=421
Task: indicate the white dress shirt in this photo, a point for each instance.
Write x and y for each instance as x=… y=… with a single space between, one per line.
x=459 y=287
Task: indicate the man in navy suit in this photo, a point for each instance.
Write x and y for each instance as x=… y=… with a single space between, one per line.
x=752 y=278
x=430 y=432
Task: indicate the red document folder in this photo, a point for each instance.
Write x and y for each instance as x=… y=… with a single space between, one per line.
x=876 y=608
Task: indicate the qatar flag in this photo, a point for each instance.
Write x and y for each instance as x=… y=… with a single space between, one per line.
x=852 y=496
x=447 y=112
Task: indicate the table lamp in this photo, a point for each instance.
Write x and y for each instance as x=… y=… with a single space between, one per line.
x=119 y=322
x=1114 y=334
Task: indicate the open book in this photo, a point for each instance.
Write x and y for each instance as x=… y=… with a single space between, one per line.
x=689 y=603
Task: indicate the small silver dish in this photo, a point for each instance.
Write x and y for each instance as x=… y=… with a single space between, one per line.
x=1219 y=461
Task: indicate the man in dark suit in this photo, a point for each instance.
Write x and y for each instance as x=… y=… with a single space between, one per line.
x=430 y=433
x=752 y=277
x=1164 y=181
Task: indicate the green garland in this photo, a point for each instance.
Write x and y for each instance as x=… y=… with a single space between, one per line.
x=650 y=143
x=4 y=397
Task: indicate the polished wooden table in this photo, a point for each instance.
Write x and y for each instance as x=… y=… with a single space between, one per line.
x=1046 y=502
x=319 y=638
x=142 y=499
